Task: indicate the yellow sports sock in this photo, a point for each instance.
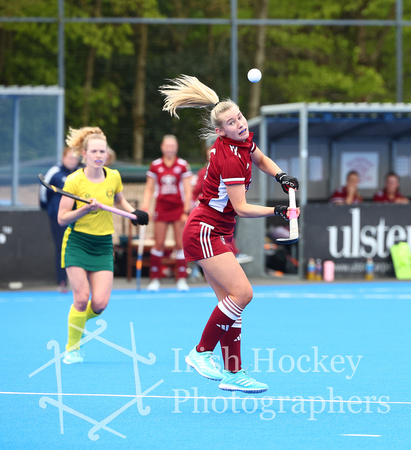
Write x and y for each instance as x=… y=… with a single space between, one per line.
x=89 y=311
x=77 y=318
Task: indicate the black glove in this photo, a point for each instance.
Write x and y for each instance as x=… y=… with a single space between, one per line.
x=286 y=181
x=281 y=211
x=142 y=217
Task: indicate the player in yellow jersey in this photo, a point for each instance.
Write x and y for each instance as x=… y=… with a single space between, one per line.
x=87 y=251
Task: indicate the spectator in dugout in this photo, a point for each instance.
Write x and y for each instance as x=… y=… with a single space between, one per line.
x=348 y=194
x=390 y=193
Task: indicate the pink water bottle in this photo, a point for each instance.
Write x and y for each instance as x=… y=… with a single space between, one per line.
x=329 y=268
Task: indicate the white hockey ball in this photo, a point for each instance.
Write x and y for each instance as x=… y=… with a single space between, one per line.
x=254 y=75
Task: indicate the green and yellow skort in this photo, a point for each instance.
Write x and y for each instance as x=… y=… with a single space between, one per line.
x=91 y=252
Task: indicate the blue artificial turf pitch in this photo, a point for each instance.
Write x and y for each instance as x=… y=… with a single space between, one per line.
x=336 y=357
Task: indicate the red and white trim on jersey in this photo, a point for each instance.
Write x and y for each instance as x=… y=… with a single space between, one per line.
x=234 y=180
x=205 y=240
x=222 y=199
x=229 y=308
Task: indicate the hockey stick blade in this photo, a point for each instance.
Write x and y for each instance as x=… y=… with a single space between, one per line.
x=290 y=240
x=60 y=191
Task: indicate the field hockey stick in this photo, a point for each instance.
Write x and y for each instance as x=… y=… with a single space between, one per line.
x=140 y=252
x=111 y=209
x=293 y=237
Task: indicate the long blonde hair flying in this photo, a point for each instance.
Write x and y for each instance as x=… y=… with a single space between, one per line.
x=188 y=92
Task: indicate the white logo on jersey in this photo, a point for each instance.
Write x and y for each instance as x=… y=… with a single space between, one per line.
x=168 y=185
x=238 y=338
x=222 y=239
x=168 y=179
x=223 y=327
x=234 y=149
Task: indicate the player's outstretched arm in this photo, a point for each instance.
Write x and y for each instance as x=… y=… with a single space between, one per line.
x=121 y=202
x=268 y=166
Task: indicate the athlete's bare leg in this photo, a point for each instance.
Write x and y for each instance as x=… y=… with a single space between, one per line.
x=160 y=231
x=100 y=283
x=178 y=227
x=226 y=277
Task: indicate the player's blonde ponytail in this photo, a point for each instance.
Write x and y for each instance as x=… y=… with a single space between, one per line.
x=188 y=92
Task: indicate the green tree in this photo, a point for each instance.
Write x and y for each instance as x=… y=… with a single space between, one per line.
x=28 y=51
x=113 y=71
